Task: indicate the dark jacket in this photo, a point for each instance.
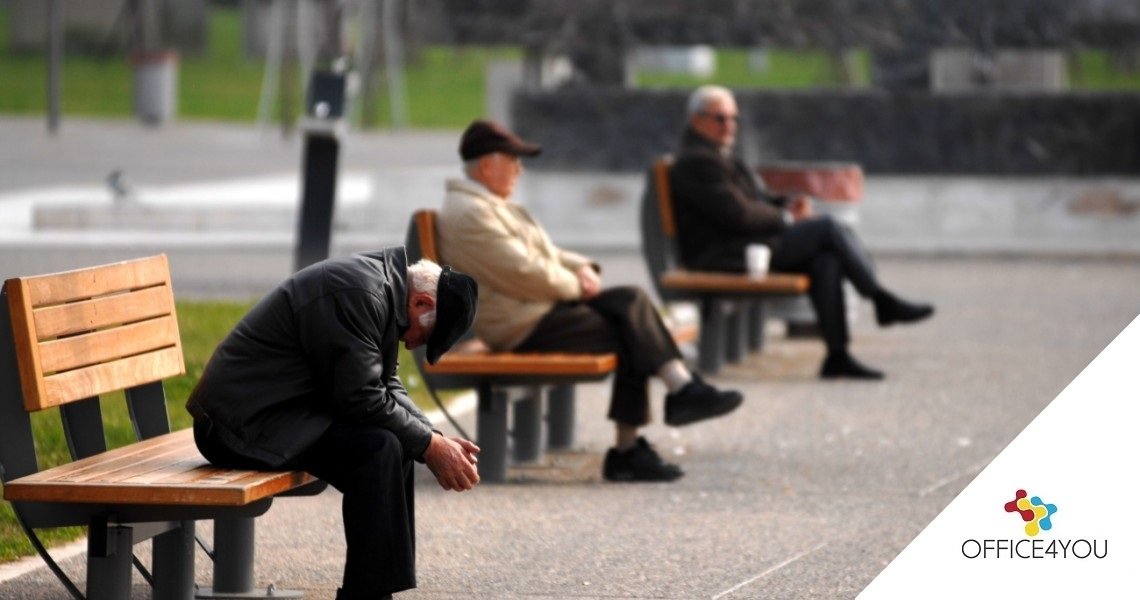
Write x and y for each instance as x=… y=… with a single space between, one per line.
x=320 y=347
x=720 y=207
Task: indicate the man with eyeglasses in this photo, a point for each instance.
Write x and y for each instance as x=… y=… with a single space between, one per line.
x=721 y=208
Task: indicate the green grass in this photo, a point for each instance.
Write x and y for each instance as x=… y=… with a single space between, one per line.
x=786 y=69
x=1093 y=70
x=445 y=85
x=202 y=325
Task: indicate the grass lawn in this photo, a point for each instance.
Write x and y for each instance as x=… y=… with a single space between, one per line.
x=445 y=85
x=202 y=325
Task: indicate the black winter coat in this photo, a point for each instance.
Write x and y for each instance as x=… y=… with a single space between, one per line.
x=720 y=207
x=319 y=348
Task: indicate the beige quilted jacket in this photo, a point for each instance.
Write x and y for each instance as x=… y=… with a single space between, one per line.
x=521 y=273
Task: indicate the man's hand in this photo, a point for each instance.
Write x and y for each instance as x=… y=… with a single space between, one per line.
x=590 y=282
x=452 y=461
x=801 y=207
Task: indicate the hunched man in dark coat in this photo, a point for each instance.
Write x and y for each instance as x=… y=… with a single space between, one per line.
x=307 y=380
x=721 y=208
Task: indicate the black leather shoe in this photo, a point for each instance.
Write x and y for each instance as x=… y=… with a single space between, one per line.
x=697 y=401
x=840 y=365
x=639 y=463
x=890 y=309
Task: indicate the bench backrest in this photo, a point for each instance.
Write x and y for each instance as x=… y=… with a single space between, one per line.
x=66 y=338
x=422 y=242
x=659 y=227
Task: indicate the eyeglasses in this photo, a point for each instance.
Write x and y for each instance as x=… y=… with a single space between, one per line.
x=721 y=118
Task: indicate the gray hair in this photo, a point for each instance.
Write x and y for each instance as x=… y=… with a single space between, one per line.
x=701 y=97
x=423 y=276
x=469 y=167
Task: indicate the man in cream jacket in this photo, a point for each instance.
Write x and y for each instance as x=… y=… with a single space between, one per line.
x=535 y=296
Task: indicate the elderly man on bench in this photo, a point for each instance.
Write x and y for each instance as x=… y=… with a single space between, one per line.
x=537 y=297
x=720 y=209
x=307 y=380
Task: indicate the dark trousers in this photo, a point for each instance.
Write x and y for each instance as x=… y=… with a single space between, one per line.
x=367 y=464
x=622 y=320
x=828 y=253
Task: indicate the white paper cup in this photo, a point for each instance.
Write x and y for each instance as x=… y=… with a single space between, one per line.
x=757 y=256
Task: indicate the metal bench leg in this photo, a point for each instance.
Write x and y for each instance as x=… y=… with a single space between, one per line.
x=528 y=425
x=491 y=434
x=735 y=340
x=756 y=319
x=711 y=345
x=233 y=564
x=109 y=562
x=174 y=563
x=560 y=417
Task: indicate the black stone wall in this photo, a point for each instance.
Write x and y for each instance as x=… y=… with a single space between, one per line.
x=904 y=132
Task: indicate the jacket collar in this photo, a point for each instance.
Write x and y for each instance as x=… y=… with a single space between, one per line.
x=394 y=262
x=692 y=141
x=474 y=188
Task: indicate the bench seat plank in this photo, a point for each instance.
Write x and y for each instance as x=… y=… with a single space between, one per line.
x=165 y=470
x=710 y=281
x=485 y=362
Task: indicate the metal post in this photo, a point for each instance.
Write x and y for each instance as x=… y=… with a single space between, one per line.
x=711 y=346
x=756 y=319
x=109 y=562
x=734 y=335
x=174 y=563
x=55 y=63
x=560 y=417
x=491 y=434
x=528 y=425
x=233 y=564
x=325 y=112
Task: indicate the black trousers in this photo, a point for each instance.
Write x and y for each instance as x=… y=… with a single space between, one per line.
x=622 y=320
x=828 y=253
x=367 y=464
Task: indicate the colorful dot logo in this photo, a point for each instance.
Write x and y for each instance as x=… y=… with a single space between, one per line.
x=1038 y=515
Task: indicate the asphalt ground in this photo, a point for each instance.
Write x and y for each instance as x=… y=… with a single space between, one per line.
x=807 y=491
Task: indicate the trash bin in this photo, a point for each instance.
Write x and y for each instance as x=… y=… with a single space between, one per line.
x=155 y=86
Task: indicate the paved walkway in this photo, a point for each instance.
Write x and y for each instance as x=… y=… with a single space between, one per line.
x=806 y=492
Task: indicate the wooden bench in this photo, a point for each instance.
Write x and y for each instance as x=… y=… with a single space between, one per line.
x=67 y=338
x=503 y=379
x=731 y=305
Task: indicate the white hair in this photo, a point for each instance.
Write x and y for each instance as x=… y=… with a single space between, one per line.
x=701 y=97
x=423 y=276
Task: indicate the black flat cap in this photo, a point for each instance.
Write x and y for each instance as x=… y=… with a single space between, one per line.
x=484 y=137
x=456 y=298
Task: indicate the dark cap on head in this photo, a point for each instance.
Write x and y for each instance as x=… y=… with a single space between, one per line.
x=456 y=298
x=484 y=137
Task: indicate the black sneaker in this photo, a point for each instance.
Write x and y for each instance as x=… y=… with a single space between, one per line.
x=639 y=463
x=698 y=401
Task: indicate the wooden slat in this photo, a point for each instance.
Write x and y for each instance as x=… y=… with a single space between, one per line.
x=512 y=363
x=172 y=471
x=24 y=343
x=80 y=284
x=664 y=195
x=98 y=379
x=97 y=313
x=425 y=226
x=101 y=346
x=706 y=281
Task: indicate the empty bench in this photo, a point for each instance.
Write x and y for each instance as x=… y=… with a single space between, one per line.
x=67 y=338
x=731 y=305
x=502 y=379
